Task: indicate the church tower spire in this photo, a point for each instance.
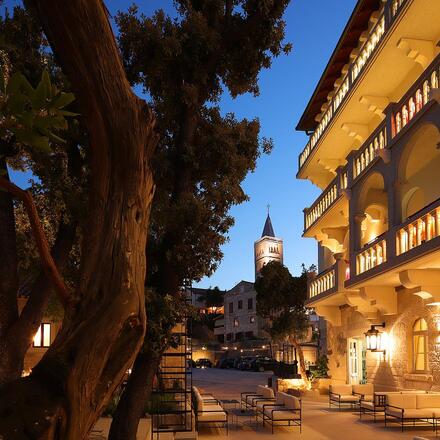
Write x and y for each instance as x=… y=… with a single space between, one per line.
x=268 y=247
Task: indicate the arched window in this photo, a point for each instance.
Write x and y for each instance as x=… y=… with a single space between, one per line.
x=420 y=346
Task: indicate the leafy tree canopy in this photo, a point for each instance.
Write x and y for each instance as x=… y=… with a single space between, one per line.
x=280 y=298
x=184 y=65
x=212 y=297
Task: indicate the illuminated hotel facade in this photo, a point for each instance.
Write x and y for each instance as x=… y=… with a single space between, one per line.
x=374 y=151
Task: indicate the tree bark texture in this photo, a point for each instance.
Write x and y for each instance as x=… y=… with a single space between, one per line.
x=16 y=340
x=131 y=406
x=9 y=364
x=104 y=321
x=42 y=245
x=302 y=364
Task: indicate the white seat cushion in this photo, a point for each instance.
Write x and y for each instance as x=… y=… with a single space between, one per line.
x=407 y=401
x=281 y=415
x=279 y=399
x=218 y=416
x=292 y=402
x=252 y=397
x=368 y=397
x=428 y=401
x=370 y=405
x=365 y=389
x=266 y=392
x=349 y=398
x=410 y=413
x=260 y=403
x=341 y=389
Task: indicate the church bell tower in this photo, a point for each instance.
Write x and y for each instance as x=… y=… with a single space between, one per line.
x=268 y=247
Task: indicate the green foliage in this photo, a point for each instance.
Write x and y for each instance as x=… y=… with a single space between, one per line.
x=203 y=156
x=32 y=116
x=321 y=369
x=212 y=298
x=164 y=312
x=184 y=66
x=36 y=119
x=280 y=299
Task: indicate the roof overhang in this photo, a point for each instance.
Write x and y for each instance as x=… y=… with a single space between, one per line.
x=349 y=40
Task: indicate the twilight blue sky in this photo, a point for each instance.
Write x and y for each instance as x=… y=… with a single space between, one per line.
x=314 y=27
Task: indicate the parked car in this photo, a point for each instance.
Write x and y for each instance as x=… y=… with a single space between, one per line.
x=203 y=363
x=191 y=364
x=226 y=363
x=262 y=363
x=246 y=363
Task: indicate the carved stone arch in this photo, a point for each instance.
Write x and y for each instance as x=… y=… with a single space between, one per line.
x=372 y=208
x=418 y=179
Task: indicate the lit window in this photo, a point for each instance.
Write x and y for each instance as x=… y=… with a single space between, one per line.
x=420 y=346
x=43 y=336
x=252 y=319
x=236 y=322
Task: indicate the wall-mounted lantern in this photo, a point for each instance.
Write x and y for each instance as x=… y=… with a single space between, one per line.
x=375 y=339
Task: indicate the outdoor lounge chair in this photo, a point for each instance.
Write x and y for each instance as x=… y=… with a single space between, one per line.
x=374 y=407
x=249 y=399
x=204 y=396
x=209 y=412
x=267 y=397
x=285 y=411
x=340 y=395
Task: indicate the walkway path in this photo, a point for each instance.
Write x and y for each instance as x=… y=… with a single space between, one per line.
x=318 y=422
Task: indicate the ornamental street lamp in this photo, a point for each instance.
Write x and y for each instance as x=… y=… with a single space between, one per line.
x=374 y=339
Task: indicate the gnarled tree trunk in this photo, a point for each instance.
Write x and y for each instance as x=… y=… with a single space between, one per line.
x=10 y=365
x=105 y=318
x=302 y=364
x=131 y=406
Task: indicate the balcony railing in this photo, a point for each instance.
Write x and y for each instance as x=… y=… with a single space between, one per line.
x=374 y=255
x=322 y=283
x=420 y=229
x=395 y=6
x=326 y=199
x=324 y=202
x=369 y=150
x=368 y=48
x=392 y=8
x=416 y=98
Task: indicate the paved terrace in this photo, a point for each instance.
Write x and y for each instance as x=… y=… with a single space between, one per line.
x=319 y=423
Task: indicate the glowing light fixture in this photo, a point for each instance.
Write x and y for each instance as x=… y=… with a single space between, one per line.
x=374 y=339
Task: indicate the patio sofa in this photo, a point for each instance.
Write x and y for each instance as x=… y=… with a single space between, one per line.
x=417 y=408
x=340 y=395
x=249 y=399
x=376 y=405
x=208 y=411
x=285 y=410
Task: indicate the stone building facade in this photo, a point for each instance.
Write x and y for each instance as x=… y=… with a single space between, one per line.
x=240 y=308
x=375 y=124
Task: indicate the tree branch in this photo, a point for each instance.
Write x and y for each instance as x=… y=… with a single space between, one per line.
x=47 y=261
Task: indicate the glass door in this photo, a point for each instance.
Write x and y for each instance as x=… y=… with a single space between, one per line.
x=355 y=367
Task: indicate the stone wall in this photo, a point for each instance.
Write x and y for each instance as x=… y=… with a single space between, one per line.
x=394 y=369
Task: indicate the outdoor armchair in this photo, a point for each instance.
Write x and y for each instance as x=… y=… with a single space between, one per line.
x=287 y=413
x=340 y=395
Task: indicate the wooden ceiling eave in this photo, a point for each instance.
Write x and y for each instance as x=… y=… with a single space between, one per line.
x=349 y=40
